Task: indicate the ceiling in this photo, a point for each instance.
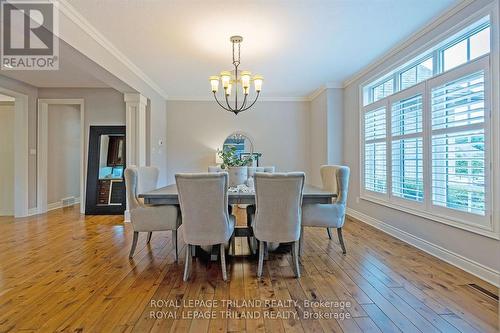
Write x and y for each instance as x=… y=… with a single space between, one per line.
x=298 y=45
x=69 y=75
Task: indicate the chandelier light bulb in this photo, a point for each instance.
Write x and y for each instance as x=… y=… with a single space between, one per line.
x=225 y=77
x=228 y=89
x=214 y=83
x=245 y=79
x=257 y=81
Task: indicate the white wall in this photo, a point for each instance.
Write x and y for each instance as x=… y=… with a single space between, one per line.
x=478 y=253
x=195 y=129
x=326 y=131
x=103 y=106
x=63 y=163
x=319 y=136
x=7 y=124
x=157 y=129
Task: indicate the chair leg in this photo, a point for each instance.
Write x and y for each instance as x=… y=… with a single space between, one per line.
x=150 y=234
x=329 y=233
x=223 y=261
x=174 y=239
x=134 y=244
x=301 y=241
x=234 y=245
x=341 y=240
x=295 y=257
x=261 y=258
x=187 y=263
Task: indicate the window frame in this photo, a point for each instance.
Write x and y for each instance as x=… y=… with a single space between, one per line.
x=474 y=66
x=481 y=224
x=436 y=53
x=454 y=42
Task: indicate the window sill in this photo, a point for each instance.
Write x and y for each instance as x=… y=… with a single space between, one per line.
x=483 y=231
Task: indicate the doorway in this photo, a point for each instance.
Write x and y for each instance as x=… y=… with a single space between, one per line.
x=7 y=168
x=21 y=151
x=61 y=157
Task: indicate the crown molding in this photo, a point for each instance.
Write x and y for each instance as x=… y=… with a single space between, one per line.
x=328 y=85
x=211 y=99
x=72 y=14
x=408 y=41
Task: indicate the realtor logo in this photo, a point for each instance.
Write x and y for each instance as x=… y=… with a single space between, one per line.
x=28 y=35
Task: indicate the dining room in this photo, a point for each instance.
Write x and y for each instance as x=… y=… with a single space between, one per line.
x=295 y=166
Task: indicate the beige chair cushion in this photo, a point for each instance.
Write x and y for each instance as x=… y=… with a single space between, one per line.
x=155 y=218
x=147 y=218
x=335 y=179
x=278 y=213
x=203 y=199
x=147 y=179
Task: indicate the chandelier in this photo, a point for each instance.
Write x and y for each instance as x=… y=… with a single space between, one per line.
x=234 y=80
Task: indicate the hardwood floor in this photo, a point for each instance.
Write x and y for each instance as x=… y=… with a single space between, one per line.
x=71 y=273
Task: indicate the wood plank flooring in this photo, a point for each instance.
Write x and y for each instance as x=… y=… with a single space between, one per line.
x=63 y=272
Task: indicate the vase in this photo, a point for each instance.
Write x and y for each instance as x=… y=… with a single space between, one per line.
x=237 y=175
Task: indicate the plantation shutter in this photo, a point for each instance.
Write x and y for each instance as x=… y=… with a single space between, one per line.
x=375 y=150
x=458 y=144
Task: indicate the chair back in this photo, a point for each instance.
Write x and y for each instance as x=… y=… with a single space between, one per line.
x=278 y=198
x=147 y=179
x=203 y=199
x=131 y=176
x=253 y=170
x=214 y=168
x=335 y=178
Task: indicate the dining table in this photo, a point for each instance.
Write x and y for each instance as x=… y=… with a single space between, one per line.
x=169 y=195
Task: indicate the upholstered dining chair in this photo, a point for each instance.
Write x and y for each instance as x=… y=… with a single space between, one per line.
x=148 y=218
x=203 y=198
x=251 y=208
x=335 y=179
x=278 y=198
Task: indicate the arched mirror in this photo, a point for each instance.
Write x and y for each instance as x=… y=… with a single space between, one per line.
x=241 y=147
x=240 y=141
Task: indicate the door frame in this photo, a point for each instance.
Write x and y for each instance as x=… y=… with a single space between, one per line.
x=21 y=152
x=42 y=143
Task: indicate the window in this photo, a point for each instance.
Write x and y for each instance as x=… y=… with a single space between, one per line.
x=468 y=49
x=416 y=74
x=467 y=45
x=407 y=148
x=383 y=90
x=458 y=144
x=426 y=148
x=375 y=151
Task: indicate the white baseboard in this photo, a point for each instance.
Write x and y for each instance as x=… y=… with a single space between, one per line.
x=126 y=216
x=33 y=211
x=58 y=204
x=488 y=274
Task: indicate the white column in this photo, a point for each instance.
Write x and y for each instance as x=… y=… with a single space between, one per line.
x=135 y=105
x=135 y=114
